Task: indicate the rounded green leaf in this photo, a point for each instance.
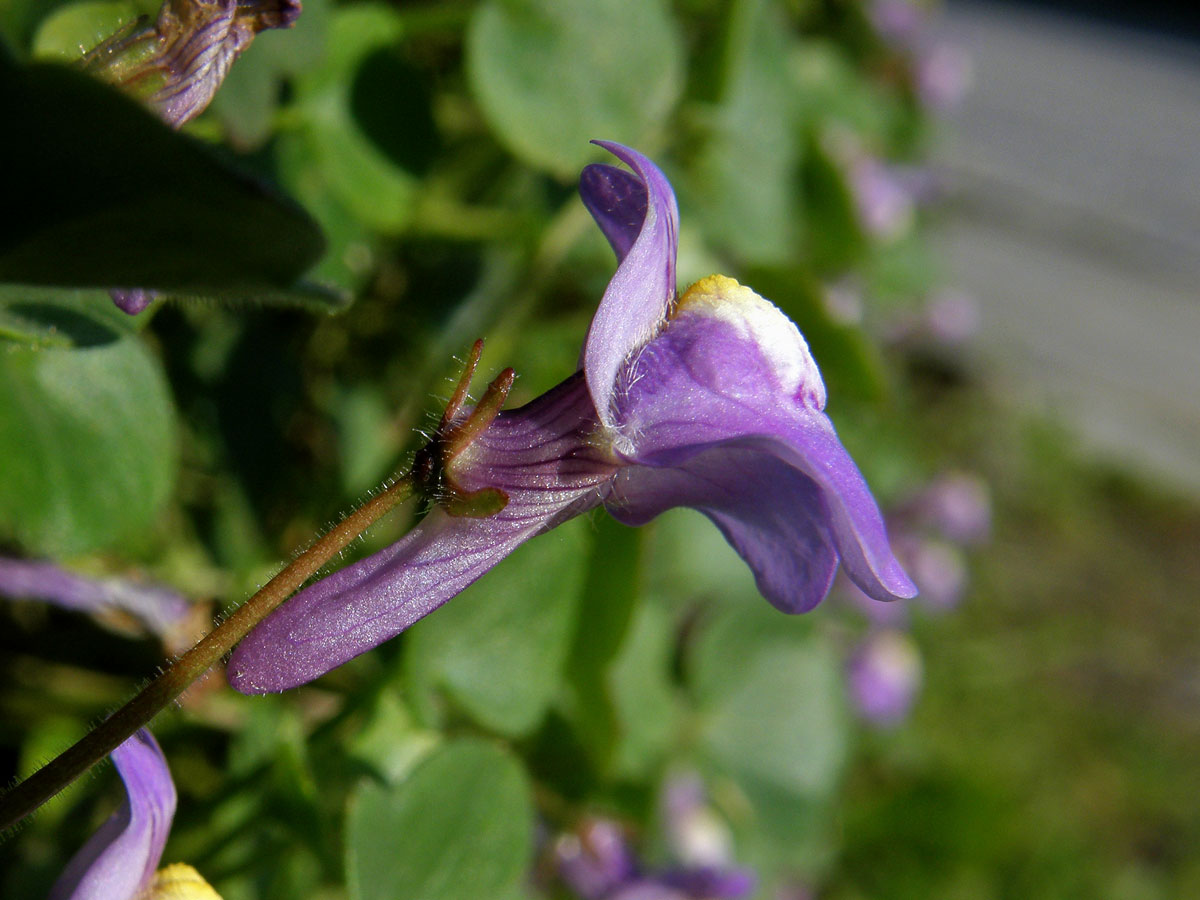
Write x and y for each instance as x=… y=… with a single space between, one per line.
x=87 y=436
x=772 y=701
x=461 y=825
x=500 y=648
x=552 y=75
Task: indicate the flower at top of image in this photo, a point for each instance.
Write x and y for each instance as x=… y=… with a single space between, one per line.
x=709 y=400
x=175 y=66
x=120 y=861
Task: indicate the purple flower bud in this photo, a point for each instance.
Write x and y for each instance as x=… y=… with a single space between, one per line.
x=884 y=675
x=943 y=77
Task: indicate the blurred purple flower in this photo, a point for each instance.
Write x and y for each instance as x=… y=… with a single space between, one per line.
x=939 y=570
x=159 y=609
x=596 y=863
x=956 y=504
x=942 y=75
x=884 y=675
x=120 y=860
x=884 y=197
x=711 y=400
x=595 y=860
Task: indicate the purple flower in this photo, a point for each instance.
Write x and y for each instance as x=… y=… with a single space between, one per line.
x=710 y=400
x=595 y=860
x=120 y=860
x=161 y=610
x=597 y=863
x=884 y=675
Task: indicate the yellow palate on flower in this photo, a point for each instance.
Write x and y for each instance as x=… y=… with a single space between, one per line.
x=179 y=881
x=762 y=322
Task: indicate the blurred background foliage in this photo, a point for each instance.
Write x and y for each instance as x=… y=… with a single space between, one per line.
x=436 y=146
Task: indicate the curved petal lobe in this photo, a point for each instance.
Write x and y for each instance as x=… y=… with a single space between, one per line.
x=641 y=292
x=617 y=201
x=119 y=860
x=539 y=455
x=771 y=514
x=705 y=383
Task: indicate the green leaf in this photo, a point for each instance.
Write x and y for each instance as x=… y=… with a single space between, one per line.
x=500 y=647
x=647 y=708
x=353 y=167
x=551 y=75
x=68 y=33
x=87 y=436
x=110 y=196
x=461 y=825
x=610 y=595
x=743 y=182
x=52 y=317
x=772 y=703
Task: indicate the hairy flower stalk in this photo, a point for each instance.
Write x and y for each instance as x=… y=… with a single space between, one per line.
x=24 y=798
x=710 y=400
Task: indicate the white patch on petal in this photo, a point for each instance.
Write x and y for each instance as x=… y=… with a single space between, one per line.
x=762 y=322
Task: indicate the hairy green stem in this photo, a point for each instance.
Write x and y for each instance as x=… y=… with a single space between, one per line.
x=47 y=781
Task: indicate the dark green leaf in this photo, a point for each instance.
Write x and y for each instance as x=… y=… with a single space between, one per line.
x=110 y=196
x=461 y=825
x=552 y=75
x=87 y=436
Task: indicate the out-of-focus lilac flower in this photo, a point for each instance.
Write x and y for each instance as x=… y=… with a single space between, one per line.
x=597 y=863
x=897 y=21
x=176 y=65
x=884 y=675
x=939 y=569
x=695 y=833
x=884 y=200
x=948 y=319
x=120 y=860
x=956 y=504
x=711 y=400
x=595 y=860
x=943 y=77
x=159 y=609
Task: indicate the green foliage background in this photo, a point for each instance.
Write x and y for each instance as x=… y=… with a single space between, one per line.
x=435 y=147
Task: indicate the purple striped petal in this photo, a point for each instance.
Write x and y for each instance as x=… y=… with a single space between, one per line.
x=540 y=455
x=119 y=860
x=642 y=291
x=731 y=373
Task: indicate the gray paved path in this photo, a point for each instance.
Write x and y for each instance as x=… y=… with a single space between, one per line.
x=1075 y=219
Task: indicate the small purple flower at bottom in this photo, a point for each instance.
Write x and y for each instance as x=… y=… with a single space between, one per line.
x=596 y=863
x=884 y=675
x=120 y=860
x=710 y=400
